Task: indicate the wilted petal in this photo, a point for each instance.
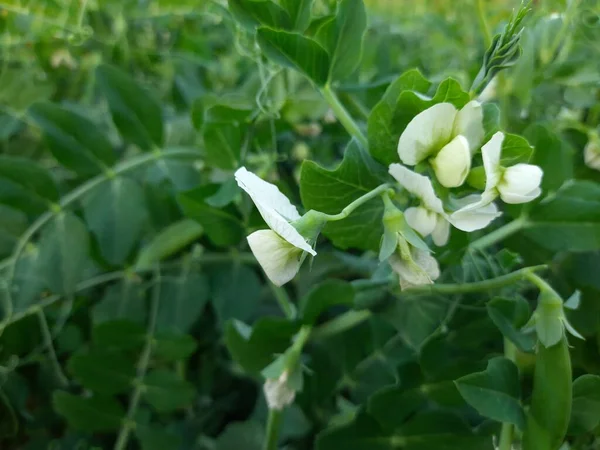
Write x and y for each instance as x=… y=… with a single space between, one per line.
x=520 y=183
x=278 y=392
x=490 y=153
x=477 y=214
x=418 y=185
x=266 y=195
x=421 y=269
x=441 y=232
x=421 y=220
x=453 y=162
x=426 y=132
x=279 y=259
x=469 y=123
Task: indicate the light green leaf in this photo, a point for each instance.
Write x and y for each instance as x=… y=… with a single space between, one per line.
x=103 y=371
x=116 y=213
x=135 y=111
x=254 y=13
x=515 y=150
x=296 y=52
x=568 y=220
x=330 y=191
x=585 y=414
x=495 y=392
x=64 y=247
x=323 y=296
x=93 y=414
x=168 y=242
x=222 y=145
x=299 y=11
x=166 y=391
x=75 y=141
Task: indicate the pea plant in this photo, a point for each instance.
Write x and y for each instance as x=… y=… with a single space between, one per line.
x=300 y=224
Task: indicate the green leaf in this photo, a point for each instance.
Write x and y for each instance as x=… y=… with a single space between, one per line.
x=254 y=13
x=383 y=132
x=342 y=36
x=168 y=242
x=75 y=141
x=156 y=438
x=247 y=435
x=296 y=52
x=119 y=335
x=515 y=150
x=330 y=191
x=64 y=246
x=495 y=392
x=212 y=109
x=568 y=220
x=92 y=414
x=103 y=371
x=116 y=213
x=324 y=296
x=29 y=279
x=585 y=413
x=166 y=391
x=510 y=315
x=8 y=420
x=124 y=300
x=229 y=284
x=299 y=11
x=222 y=225
x=30 y=176
x=174 y=347
x=181 y=302
x=222 y=145
x=254 y=348
x=552 y=154
x=135 y=111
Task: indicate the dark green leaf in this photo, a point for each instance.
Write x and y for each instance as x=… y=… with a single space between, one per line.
x=495 y=392
x=247 y=435
x=135 y=111
x=296 y=52
x=568 y=220
x=168 y=242
x=156 y=438
x=92 y=414
x=29 y=279
x=510 y=315
x=103 y=371
x=8 y=420
x=254 y=13
x=585 y=413
x=323 y=296
x=231 y=283
x=515 y=150
x=30 y=176
x=174 y=347
x=354 y=177
x=74 y=140
x=116 y=213
x=299 y=11
x=119 y=335
x=552 y=154
x=124 y=300
x=222 y=145
x=166 y=391
x=181 y=302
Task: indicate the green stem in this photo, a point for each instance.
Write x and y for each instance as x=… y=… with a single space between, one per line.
x=285 y=303
x=62 y=379
x=142 y=367
x=353 y=318
x=273 y=425
x=499 y=234
x=483 y=24
x=507 y=431
x=343 y=116
x=356 y=203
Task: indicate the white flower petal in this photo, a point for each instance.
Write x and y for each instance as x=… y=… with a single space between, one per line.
x=453 y=162
x=591 y=154
x=279 y=259
x=278 y=393
x=418 y=185
x=520 y=183
x=490 y=153
x=421 y=220
x=469 y=123
x=423 y=269
x=471 y=218
x=266 y=195
x=441 y=232
x=427 y=132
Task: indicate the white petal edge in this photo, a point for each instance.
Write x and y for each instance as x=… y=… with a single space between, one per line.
x=428 y=129
x=453 y=162
x=516 y=199
x=421 y=219
x=474 y=219
x=284 y=229
x=279 y=259
x=418 y=185
x=469 y=123
x=266 y=194
x=490 y=153
x=441 y=232
x=520 y=179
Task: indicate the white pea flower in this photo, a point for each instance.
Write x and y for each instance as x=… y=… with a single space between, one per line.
x=428 y=218
x=591 y=152
x=447 y=137
x=415 y=267
x=279 y=250
x=468 y=218
x=278 y=392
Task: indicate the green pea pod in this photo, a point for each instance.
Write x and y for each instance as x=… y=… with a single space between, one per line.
x=550 y=410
